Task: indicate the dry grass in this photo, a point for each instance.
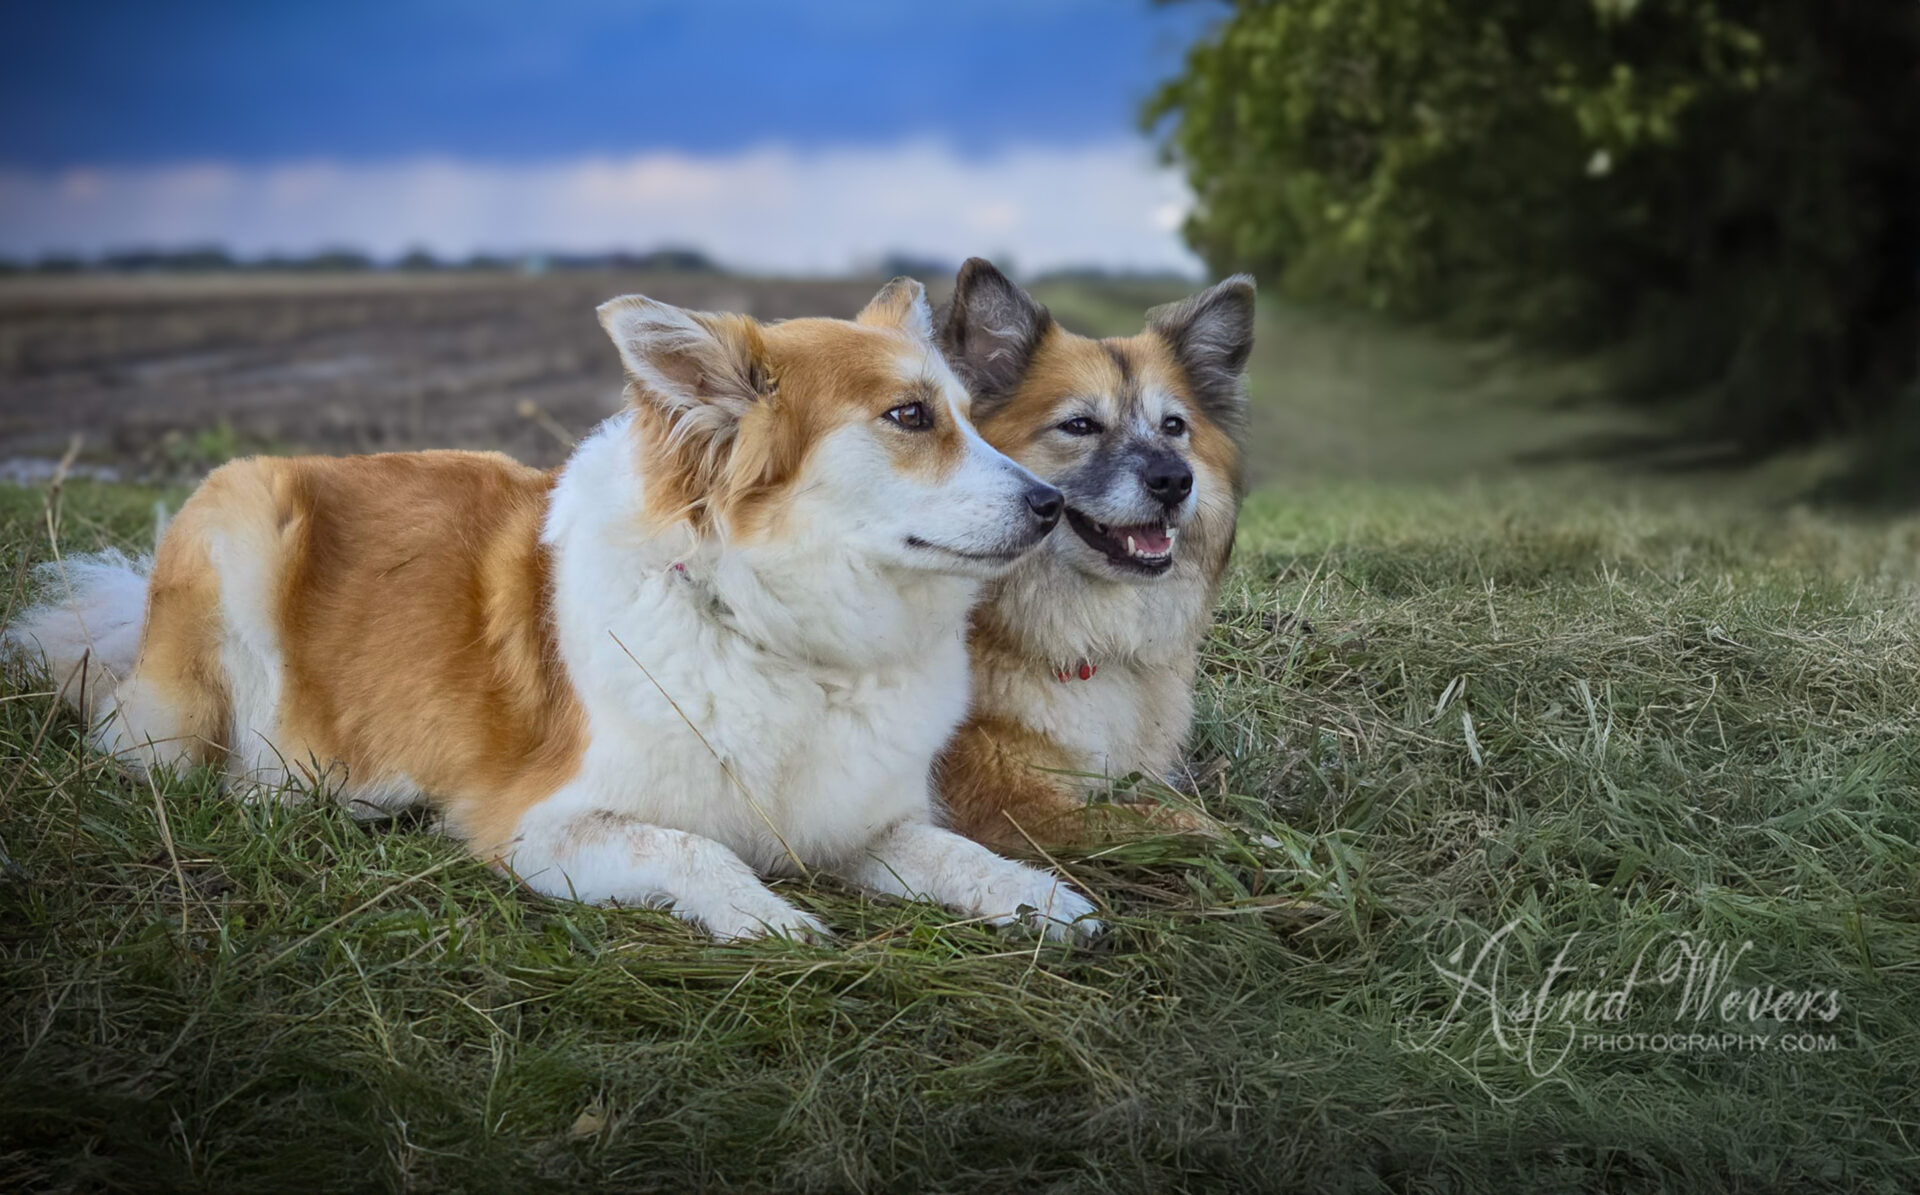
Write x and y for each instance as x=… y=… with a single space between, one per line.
x=1682 y=720
x=1601 y=713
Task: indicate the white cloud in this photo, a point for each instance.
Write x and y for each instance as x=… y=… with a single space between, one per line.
x=773 y=208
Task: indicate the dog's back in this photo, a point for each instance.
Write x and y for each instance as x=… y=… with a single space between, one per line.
x=324 y=617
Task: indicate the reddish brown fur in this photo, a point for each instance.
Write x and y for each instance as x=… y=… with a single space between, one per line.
x=845 y=378
x=180 y=644
x=412 y=620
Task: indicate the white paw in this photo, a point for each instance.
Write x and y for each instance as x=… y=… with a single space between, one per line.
x=1035 y=899
x=744 y=915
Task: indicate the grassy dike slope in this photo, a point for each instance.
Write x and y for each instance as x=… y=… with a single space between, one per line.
x=1445 y=696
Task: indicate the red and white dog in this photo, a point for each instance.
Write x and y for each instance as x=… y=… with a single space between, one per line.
x=725 y=640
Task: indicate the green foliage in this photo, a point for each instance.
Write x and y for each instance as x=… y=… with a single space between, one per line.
x=1725 y=194
x=195 y=452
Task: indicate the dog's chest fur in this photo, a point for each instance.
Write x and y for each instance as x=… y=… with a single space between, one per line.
x=1132 y=713
x=868 y=678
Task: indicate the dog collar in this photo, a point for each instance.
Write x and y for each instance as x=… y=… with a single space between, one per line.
x=1083 y=669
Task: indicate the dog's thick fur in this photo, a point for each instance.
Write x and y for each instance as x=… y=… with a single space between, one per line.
x=725 y=640
x=1084 y=653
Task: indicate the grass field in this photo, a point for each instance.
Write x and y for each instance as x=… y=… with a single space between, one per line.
x=1448 y=700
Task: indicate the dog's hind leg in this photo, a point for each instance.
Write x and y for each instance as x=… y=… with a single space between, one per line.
x=602 y=857
x=172 y=709
x=133 y=649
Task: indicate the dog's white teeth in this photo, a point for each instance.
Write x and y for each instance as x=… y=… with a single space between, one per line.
x=1130 y=550
x=1100 y=527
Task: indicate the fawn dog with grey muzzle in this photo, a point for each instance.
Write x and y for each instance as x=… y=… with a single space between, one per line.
x=1084 y=653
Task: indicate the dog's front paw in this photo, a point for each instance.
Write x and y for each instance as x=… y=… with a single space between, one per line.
x=762 y=914
x=1043 y=901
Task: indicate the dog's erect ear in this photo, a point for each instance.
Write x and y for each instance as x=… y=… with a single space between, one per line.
x=989 y=332
x=900 y=304
x=704 y=372
x=1211 y=335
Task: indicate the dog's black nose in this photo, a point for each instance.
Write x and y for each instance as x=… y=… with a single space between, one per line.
x=1045 y=502
x=1169 y=480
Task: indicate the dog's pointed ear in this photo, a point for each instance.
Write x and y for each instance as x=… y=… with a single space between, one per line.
x=702 y=371
x=900 y=304
x=989 y=332
x=1211 y=335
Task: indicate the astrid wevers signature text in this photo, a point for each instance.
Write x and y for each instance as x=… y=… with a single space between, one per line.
x=1681 y=986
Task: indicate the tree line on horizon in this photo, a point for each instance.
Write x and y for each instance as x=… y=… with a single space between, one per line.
x=194 y=259
x=213 y=259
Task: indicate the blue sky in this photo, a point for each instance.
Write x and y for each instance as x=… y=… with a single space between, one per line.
x=168 y=79
x=103 y=106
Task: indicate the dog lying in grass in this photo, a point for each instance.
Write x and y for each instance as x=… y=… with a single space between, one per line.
x=725 y=640
x=1084 y=652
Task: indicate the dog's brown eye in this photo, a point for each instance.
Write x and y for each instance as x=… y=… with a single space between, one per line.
x=913 y=416
x=1173 y=425
x=1080 y=425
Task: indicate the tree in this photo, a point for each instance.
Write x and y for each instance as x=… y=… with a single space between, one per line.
x=1725 y=194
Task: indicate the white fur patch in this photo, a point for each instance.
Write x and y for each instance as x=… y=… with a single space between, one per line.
x=87 y=631
x=88 y=635
x=605 y=858
x=244 y=559
x=916 y=860
x=761 y=708
x=789 y=663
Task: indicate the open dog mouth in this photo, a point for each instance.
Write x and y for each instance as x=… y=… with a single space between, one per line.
x=1146 y=548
